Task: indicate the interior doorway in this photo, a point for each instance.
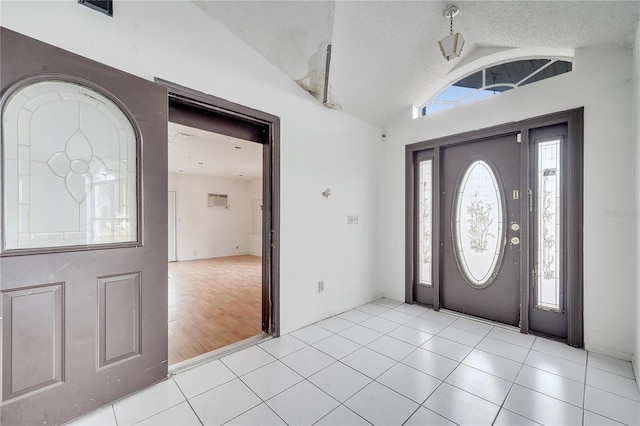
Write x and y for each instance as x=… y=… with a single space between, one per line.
x=223 y=167
x=215 y=275
x=494 y=224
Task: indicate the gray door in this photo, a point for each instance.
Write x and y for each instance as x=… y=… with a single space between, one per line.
x=83 y=265
x=480 y=236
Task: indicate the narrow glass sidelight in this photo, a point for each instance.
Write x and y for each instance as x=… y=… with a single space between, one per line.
x=425 y=258
x=70 y=174
x=478 y=224
x=548 y=226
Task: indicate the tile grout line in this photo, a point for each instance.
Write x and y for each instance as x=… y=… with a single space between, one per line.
x=115 y=417
x=444 y=381
x=188 y=401
x=513 y=383
x=584 y=389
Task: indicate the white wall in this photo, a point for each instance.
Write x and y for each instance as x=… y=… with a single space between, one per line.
x=601 y=82
x=255 y=198
x=173 y=40
x=204 y=232
x=636 y=112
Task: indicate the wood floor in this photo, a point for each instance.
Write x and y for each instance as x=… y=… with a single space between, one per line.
x=213 y=303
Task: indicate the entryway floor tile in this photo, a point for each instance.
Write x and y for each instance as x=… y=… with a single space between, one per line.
x=302 y=404
x=342 y=416
x=461 y=407
x=340 y=381
x=409 y=382
x=388 y=363
x=203 y=377
x=181 y=414
x=381 y=406
x=271 y=379
x=260 y=415
x=224 y=403
x=541 y=408
x=148 y=402
x=448 y=348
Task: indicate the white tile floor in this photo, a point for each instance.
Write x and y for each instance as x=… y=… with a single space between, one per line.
x=387 y=363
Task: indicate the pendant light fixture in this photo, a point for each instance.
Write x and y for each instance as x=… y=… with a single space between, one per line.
x=451 y=45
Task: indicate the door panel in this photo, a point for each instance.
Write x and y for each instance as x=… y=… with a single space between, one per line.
x=480 y=251
x=84 y=325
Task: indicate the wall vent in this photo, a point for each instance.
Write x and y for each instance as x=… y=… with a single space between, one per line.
x=218 y=200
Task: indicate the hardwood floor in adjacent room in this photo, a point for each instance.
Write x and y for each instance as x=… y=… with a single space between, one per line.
x=213 y=303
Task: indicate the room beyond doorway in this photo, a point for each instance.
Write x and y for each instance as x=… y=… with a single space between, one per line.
x=215 y=241
x=213 y=303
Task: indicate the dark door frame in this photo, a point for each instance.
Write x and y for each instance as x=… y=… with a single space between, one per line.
x=223 y=116
x=573 y=208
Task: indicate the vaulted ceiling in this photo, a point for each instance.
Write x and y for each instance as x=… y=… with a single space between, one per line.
x=384 y=56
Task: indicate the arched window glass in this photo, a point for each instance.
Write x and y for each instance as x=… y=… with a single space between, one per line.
x=493 y=80
x=69 y=165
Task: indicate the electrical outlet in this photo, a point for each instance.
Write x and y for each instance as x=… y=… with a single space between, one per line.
x=320 y=286
x=352 y=219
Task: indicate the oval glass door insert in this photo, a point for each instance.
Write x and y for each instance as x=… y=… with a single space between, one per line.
x=478 y=224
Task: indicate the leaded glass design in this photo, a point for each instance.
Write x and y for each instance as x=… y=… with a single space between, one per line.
x=425 y=182
x=478 y=223
x=548 y=218
x=495 y=79
x=69 y=168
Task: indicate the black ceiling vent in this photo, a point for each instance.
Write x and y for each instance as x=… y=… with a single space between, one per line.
x=104 y=6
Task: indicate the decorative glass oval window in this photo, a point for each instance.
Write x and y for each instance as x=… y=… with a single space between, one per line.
x=478 y=224
x=70 y=174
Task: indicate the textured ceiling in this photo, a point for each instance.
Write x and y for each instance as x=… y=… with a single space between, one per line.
x=384 y=53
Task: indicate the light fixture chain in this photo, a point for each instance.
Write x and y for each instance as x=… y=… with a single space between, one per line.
x=451 y=23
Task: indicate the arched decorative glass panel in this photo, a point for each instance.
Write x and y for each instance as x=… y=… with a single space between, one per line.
x=70 y=175
x=478 y=223
x=495 y=79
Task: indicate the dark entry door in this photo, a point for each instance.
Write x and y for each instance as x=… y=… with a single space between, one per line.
x=83 y=256
x=480 y=228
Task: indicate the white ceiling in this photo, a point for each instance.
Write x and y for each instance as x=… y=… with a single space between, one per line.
x=384 y=53
x=198 y=152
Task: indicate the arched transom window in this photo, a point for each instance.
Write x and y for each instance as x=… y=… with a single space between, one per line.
x=495 y=79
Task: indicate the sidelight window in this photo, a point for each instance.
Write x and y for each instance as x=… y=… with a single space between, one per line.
x=548 y=225
x=425 y=189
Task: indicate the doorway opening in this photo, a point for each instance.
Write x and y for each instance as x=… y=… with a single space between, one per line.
x=223 y=224
x=494 y=224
